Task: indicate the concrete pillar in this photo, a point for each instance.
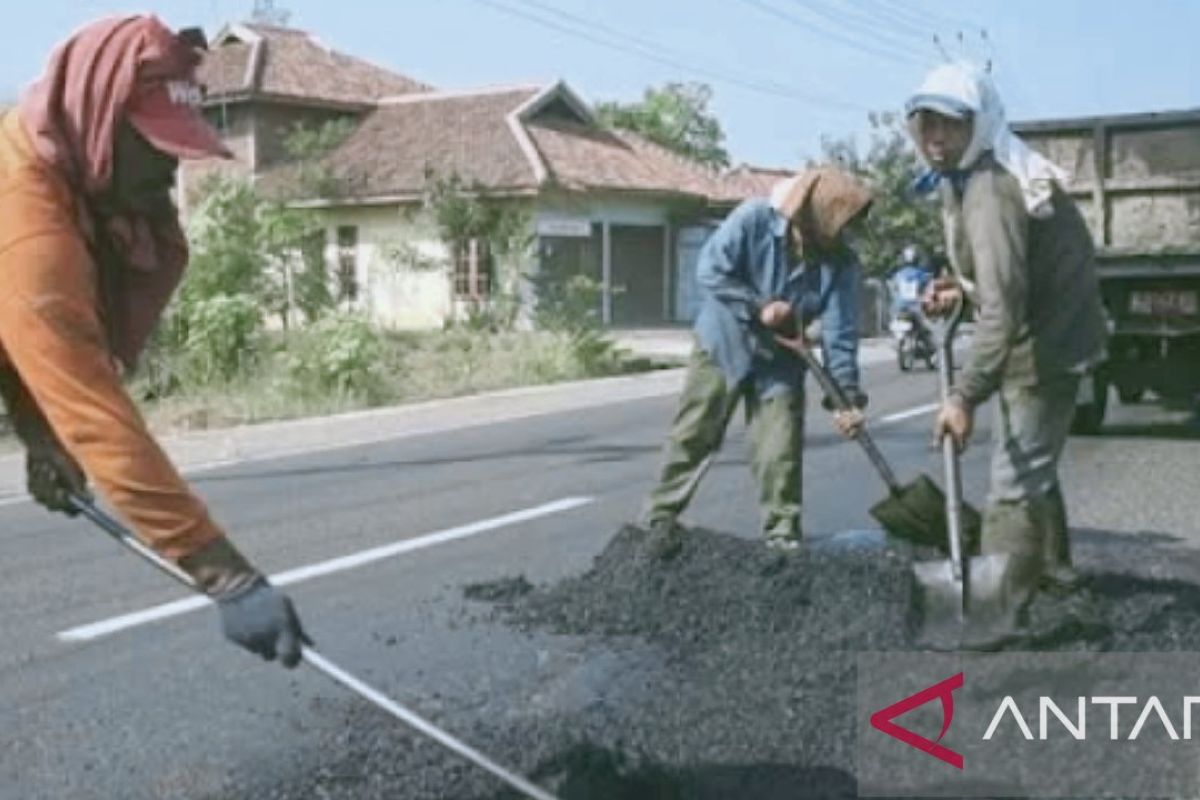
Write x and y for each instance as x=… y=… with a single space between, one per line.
x=667 y=282
x=606 y=273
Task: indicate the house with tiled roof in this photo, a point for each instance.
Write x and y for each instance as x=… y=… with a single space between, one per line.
x=607 y=204
x=262 y=80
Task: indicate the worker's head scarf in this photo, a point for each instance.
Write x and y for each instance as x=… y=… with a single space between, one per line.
x=963 y=90
x=119 y=69
x=827 y=197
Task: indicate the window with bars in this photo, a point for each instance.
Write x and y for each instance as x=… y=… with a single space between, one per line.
x=472 y=270
x=347 y=263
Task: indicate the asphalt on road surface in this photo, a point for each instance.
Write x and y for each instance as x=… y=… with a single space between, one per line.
x=168 y=710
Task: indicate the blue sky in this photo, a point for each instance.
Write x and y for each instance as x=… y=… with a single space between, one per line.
x=784 y=72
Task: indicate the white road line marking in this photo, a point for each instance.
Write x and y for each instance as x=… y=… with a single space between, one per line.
x=102 y=628
x=899 y=416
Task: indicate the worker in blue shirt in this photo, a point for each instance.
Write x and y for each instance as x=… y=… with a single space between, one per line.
x=771 y=269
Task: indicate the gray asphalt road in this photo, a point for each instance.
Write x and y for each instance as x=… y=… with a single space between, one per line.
x=166 y=709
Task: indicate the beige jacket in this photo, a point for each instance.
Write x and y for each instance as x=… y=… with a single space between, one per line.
x=1034 y=280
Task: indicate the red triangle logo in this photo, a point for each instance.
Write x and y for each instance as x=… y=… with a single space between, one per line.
x=882 y=720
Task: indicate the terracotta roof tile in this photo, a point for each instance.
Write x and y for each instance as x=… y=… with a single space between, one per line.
x=392 y=149
x=223 y=70
x=469 y=134
x=294 y=64
x=587 y=157
x=745 y=181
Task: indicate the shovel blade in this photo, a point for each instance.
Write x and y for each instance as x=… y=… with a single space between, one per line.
x=942 y=602
x=975 y=609
x=992 y=605
x=917 y=514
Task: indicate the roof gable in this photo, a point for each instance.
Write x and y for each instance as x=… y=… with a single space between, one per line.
x=505 y=140
x=404 y=139
x=284 y=63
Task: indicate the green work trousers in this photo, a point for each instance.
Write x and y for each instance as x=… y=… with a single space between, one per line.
x=776 y=427
x=1026 y=518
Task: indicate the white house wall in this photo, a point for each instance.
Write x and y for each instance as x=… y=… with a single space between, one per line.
x=394 y=295
x=401 y=297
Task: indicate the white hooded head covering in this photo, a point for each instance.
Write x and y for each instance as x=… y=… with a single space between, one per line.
x=960 y=89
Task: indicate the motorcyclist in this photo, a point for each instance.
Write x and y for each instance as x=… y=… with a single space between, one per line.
x=907 y=282
x=906 y=285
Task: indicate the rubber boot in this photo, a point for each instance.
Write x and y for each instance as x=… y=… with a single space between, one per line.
x=1009 y=529
x=665 y=538
x=1050 y=513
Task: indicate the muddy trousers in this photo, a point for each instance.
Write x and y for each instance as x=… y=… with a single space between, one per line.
x=1026 y=517
x=776 y=428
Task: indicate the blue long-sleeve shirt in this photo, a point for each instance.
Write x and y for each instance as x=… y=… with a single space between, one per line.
x=747 y=263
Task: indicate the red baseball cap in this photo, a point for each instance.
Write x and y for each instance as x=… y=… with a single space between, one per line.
x=167 y=113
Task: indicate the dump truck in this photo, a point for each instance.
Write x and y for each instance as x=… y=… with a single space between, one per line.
x=1136 y=178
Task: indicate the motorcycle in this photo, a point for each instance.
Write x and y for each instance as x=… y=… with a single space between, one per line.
x=913 y=341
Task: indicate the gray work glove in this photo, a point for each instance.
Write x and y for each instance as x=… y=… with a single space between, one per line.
x=51 y=474
x=52 y=477
x=262 y=619
x=254 y=614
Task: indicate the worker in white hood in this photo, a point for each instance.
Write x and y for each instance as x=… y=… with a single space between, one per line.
x=1021 y=252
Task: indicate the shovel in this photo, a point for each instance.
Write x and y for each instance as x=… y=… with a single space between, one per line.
x=323 y=665
x=914 y=512
x=964 y=595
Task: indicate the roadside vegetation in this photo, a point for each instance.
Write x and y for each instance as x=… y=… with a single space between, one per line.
x=261 y=329
x=258 y=331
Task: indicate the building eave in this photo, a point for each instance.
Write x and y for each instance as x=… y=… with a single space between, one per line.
x=400 y=198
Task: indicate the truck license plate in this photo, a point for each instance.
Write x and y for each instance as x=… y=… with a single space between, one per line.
x=1164 y=303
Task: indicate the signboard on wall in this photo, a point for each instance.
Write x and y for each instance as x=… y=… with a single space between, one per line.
x=565 y=226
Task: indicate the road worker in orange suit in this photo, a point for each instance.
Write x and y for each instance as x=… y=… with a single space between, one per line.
x=91 y=250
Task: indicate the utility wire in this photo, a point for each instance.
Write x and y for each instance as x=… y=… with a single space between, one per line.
x=856 y=44
x=923 y=16
x=879 y=16
x=752 y=85
x=859 y=26
x=641 y=41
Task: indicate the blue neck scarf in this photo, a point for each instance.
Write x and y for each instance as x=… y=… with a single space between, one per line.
x=930 y=179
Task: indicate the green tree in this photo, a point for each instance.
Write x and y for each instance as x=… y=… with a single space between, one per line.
x=462 y=212
x=898 y=216
x=311 y=291
x=307 y=145
x=241 y=246
x=675 y=116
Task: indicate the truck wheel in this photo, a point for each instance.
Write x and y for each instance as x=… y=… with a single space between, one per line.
x=1129 y=395
x=1089 y=415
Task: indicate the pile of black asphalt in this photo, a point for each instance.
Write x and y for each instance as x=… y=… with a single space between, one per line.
x=748 y=690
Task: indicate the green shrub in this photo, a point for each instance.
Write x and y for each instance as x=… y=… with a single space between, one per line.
x=340 y=353
x=222 y=337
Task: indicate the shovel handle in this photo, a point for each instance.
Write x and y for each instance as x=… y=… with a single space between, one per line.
x=119 y=532
x=834 y=392
x=944 y=332
x=320 y=663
